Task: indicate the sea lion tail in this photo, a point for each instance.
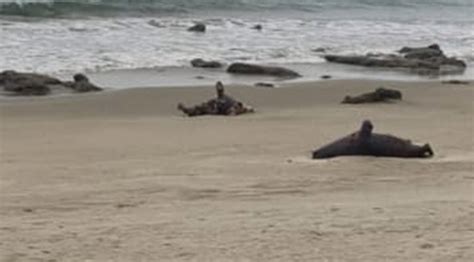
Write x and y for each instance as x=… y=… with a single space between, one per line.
x=315 y=154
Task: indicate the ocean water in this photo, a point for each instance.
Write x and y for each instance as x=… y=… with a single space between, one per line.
x=64 y=37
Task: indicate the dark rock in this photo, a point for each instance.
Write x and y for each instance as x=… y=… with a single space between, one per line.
x=26 y=84
x=251 y=69
x=326 y=77
x=221 y=105
x=424 y=53
x=415 y=49
x=366 y=143
x=456 y=82
x=11 y=76
x=82 y=84
x=198 y=62
x=371 y=61
x=379 y=95
x=257 y=27
x=198 y=27
x=319 y=50
x=27 y=89
x=263 y=84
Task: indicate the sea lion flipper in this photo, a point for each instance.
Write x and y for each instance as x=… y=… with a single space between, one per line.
x=427 y=150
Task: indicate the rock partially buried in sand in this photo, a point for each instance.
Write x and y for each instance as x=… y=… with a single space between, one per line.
x=221 y=105
x=365 y=143
x=198 y=27
x=252 y=69
x=31 y=84
x=198 y=62
x=379 y=95
x=429 y=59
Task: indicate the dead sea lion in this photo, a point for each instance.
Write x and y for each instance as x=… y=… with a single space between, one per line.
x=221 y=105
x=366 y=143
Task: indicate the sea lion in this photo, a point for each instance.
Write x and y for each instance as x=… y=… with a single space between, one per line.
x=379 y=95
x=221 y=105
x=82 y=84
x=366 y=143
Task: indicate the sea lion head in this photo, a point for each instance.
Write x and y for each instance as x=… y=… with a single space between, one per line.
x=80 y=78
x=219 y=89
x=427 y=151
x=366 y=128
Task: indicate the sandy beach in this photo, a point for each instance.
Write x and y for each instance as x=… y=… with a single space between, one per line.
x=123 y=176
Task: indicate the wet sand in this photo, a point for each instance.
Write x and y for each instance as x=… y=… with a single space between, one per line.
x=123 y=176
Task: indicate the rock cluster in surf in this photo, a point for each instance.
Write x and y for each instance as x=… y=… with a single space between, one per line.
x=32 y=84
x=422 y=60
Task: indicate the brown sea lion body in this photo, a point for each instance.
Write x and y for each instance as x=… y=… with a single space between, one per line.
x=366 y=143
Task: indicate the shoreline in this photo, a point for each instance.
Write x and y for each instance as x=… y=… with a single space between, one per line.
x=187 y=76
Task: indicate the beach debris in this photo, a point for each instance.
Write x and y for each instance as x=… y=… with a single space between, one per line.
x=198 y=27
x=365 y=143
x=380 y=94
x=32 y=84
x=252 y=69
x=264 y=84
x=455 y=82
x=221 y=105
x=198 y=62
x=422 y=60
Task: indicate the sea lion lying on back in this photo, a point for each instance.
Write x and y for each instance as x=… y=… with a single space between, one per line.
x=366 y=143
x=221 y=105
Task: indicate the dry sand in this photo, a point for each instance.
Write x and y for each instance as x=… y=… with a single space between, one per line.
x=122 y=176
